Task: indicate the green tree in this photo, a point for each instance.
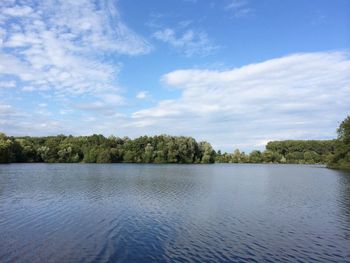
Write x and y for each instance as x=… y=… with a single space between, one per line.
x=129 y=156
x=90 y=156
x=311 y=157
x=5 y=149
x=255 y=157
x=208 y=154
x=103 y=156
x=341 y=157
x=149 y=153
x=236 y=156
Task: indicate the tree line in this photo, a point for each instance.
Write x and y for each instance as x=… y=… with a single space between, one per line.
x=171 y=149
x=290 y=151
x=99 y=149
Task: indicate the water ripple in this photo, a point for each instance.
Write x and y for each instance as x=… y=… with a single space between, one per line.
x=173 y=213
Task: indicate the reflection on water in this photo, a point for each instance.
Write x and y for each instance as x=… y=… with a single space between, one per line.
x=140 y=213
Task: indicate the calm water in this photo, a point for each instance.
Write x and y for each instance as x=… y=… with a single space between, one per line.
x=166 y=213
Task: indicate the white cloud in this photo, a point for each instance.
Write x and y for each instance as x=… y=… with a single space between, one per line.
x=189 y=42
x=8 y=112
x=239 y=8
x=17 y=11
x=301 y=96
x=7 y=84
x=65 y=111
x=142 y=95
x=66 y=50
x=28 y=88
x=63 y=43
x=105 y=104
x=113 y=99
x=5 y=109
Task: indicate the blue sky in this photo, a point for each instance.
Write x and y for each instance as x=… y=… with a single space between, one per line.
x=236 y=73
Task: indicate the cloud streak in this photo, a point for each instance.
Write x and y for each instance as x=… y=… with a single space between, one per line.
x=188 y=42
x=239 y=8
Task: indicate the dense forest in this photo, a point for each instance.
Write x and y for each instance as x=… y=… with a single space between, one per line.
x=99 y=149
x=171 y=149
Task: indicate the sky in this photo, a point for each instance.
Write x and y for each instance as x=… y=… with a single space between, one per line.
x=235 y=73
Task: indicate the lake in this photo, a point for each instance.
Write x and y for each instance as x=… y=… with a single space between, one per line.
x=173 y=213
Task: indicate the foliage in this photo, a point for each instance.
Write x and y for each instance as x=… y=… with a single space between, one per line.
x=291 y=151
x=341 y=157
x=99 y=149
